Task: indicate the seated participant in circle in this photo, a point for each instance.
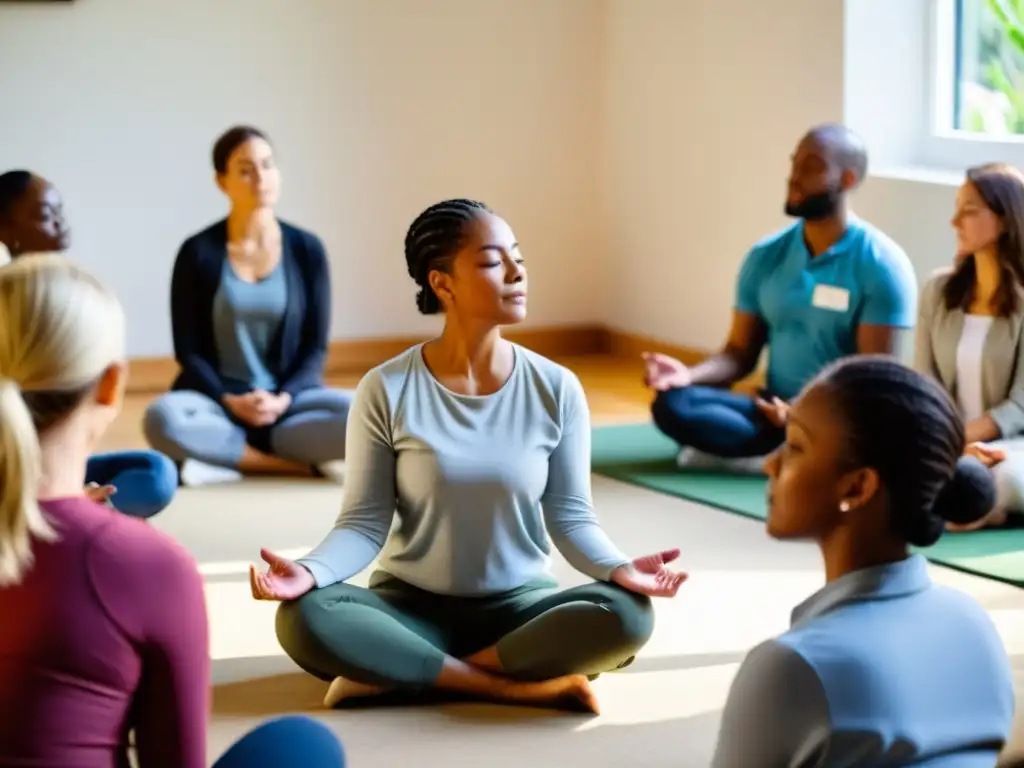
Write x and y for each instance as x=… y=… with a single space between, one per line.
x=970 y=329
x=104 y=629
x=482 y=448
x=251 y=315
x=881 y=666
x=828 y=286
x=138 y=483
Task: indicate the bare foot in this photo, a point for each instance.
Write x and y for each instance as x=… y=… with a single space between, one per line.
x=342 y=689
x=487 y=660
x=993 y=518
x=576 y=689
x=569 y=692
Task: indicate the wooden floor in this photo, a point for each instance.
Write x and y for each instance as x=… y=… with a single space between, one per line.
x=614 y=389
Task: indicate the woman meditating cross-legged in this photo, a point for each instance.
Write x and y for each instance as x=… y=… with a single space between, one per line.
x=138 y=483
x=251 y=314
x=970 y=330
x=482 y=448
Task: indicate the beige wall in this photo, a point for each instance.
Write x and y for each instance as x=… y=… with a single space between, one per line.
x=638 y=147
x=377 y=108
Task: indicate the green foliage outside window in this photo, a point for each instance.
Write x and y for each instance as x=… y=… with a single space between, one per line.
x=991 y=82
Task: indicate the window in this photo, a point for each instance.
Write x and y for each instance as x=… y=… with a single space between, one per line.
x=988 y=68
x=935 y=86
x=976 y=96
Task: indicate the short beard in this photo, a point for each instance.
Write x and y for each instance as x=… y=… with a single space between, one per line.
x=815 y=207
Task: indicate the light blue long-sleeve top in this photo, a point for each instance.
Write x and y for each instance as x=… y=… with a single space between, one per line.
x=480 y=485
x=880 y=667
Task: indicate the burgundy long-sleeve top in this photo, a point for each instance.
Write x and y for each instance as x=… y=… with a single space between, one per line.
x=107 y=633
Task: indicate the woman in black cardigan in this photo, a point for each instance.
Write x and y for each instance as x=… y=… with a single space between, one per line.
x=250 y=313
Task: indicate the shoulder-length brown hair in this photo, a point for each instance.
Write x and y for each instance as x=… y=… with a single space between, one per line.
x=1001 y=186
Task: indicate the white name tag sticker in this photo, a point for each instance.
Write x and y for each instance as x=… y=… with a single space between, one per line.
x=831 y=297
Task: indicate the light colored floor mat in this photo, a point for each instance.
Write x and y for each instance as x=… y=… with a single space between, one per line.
x=663 y=711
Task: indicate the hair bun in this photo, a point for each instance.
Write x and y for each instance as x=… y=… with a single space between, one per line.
x=427 y=301
x=969 y=495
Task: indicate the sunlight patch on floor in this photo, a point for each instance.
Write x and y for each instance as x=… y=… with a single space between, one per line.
x=727 y=611
x=630 y=698
x=241 y=627
x=241 y=567
x=715 y=612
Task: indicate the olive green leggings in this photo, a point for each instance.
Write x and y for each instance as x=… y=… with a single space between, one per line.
x=396 y=635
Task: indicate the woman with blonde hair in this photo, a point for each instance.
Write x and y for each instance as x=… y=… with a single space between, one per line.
x=104 y=629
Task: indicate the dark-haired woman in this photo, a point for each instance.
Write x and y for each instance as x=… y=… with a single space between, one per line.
x=138 y=483
x=880 y=667
x=250 y=313
x=970 y=330
x=482 y=448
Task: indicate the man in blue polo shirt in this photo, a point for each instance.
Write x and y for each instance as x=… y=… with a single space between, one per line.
x=827 y=286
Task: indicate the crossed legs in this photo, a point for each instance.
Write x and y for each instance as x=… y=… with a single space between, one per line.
x=189 y=425
x=719 y=422
x=536 y=644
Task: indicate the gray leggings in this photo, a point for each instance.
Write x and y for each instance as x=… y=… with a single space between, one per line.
x=189 y=425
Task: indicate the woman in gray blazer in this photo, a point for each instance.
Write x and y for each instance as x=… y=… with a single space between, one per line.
x=970 y=329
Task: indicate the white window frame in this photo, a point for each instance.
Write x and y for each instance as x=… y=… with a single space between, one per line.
x=941 y=146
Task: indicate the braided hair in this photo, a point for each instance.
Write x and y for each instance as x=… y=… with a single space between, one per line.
x=433 y=239
x=13 y=185
x=906 y=427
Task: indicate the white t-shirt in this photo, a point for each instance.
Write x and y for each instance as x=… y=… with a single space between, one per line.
x=969 y=354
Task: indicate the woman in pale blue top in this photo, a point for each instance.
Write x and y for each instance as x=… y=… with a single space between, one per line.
x=880 y=667
x=482 y=449
x=970 y=329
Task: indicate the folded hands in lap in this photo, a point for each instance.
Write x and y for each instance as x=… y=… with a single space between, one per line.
x=258 y=408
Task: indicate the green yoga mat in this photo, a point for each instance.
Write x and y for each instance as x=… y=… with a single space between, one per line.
x=640 y=455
